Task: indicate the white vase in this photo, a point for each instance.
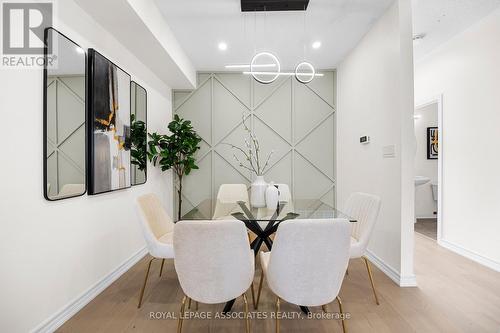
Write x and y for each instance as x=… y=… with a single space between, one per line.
x=258 y=192
x=272 y=195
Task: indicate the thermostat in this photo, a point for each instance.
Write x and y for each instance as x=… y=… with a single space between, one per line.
x=364 y=139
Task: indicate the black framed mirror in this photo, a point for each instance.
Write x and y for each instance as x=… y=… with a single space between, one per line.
x=138 y=133
x=64 y=117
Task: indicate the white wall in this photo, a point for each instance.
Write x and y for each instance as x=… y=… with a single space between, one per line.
x=425 y=206
x=52 y=252
x=466 y=71
x=375 y=98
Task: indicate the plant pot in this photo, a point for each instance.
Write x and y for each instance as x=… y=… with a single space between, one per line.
x=258 y=192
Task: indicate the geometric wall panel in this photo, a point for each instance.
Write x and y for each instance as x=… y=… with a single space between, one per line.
x=276 y=111
x=179 y=97
x=281 y=171
x=238 y=85
x=263 y=91
x=224 y=173
x=310 y=110
x=312 y=148
x=295 y=120
x=227 y=111
x=324 y=87
x=270 y=140
x=196 y=109
x=310 y=182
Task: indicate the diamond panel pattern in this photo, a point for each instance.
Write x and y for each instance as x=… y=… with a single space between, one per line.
x=293 y=119
x=196 y=108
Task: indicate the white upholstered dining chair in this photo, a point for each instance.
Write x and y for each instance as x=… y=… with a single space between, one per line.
x=227 y=199
x=157 y=228
x=365 y=209
x=307 y=263
x=213 y=262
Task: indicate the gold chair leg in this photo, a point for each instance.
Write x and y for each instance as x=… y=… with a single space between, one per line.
x=161 y=268
x=253 y=295
x=195 y=304
x=368 y=268
x=347 y=271
x=145 y=281
x=344 y=328
x=247 y=314
x=324 y=308
x=256 y=304
x=181 y=314
x=277 y=315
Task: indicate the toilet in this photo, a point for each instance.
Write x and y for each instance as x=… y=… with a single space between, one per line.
x=434 y=187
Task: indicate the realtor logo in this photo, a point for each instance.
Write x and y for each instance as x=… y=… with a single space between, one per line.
x=23 y=26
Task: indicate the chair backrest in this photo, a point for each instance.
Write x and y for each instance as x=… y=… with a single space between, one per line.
x=308 y=260
x=227 y=198
x=213 y=261
x=364 y=208
x=155 y=222
x=286 y=195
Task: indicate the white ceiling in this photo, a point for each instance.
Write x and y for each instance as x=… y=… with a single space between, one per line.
x=139 y=27
x=199 y=25
x=440 y=20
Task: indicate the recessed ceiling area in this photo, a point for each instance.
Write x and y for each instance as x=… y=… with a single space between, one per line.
x=201 y=25
x=440 y=20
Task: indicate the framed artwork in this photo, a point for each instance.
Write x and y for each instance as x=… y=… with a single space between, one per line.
x=432 y=143
x=109 y=114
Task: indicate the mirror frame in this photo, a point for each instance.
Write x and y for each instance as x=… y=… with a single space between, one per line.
x=146 y=122
x=91 y=52
x=45 y=101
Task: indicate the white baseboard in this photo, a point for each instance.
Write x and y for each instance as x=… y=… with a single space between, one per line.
x=394 y=275
x=426 y=217
x=494 y=265
x=70 y=309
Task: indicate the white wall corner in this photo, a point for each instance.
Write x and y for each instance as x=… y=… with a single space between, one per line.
x=409 y=280
x=408 y=144
x=147 y=36
x=72 y=308
x=150 y=14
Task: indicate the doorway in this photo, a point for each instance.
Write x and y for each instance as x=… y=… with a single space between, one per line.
x=428 y=166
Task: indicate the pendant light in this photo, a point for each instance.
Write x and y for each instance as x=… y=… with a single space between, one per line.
x=265 y=66
x=304 y=71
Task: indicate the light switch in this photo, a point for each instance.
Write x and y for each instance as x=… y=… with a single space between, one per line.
x=389 y=151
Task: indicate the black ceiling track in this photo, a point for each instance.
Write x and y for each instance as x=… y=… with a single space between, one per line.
x=273 y=5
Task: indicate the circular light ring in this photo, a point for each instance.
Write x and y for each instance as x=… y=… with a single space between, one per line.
x=275 y=59
x=312 y=74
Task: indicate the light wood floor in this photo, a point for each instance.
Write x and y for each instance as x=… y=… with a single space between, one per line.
x=454 y=294
x=427 y=227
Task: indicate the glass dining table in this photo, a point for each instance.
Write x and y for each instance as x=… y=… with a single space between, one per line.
x=263 y=222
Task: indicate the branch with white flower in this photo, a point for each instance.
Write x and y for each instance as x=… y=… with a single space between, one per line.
x=252 y=153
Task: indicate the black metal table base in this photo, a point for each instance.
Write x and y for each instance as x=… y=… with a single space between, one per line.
x=263 y=236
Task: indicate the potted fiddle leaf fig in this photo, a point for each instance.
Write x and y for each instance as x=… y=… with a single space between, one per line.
x=175 y=151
